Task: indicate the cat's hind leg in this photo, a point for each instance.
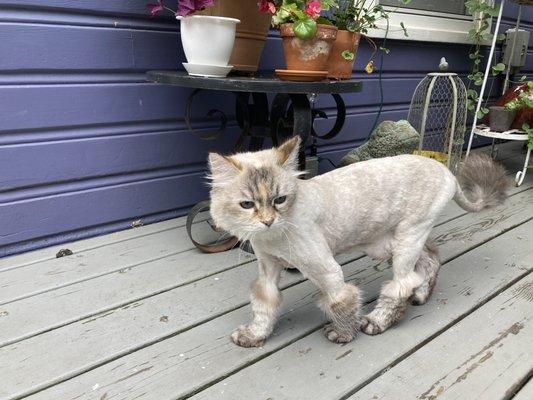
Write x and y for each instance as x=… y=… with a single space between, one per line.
x=265 y=300
x=427 y=266
x=394 y=296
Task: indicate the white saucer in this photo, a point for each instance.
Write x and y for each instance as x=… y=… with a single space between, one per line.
x=209 y=71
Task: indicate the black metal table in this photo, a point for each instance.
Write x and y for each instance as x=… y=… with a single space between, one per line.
x=290 y=113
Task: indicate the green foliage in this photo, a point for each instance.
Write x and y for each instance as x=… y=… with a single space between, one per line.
x=305 y=28
x=294 y=11
x=354 y=16
x=524 y=99
x=529 y=130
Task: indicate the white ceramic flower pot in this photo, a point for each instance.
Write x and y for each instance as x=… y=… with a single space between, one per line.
x=208 y=40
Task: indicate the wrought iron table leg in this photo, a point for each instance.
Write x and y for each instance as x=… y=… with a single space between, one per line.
x=339 y=119
x=302 y=122
x=211 y=113
x=252 y=119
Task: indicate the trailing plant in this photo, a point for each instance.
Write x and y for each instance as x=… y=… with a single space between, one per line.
x=304 y=14
x=185 y=7
x=483 y=14
x=354 y=16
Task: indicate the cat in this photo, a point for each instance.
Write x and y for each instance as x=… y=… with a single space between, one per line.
x=385 y=207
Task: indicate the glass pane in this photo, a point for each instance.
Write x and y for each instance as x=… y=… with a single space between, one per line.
x=448 y=6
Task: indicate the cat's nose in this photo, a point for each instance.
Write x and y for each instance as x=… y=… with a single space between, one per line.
x=268 y=222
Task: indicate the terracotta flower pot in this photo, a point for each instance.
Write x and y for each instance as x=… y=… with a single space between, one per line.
x=310 y=54
x=339 y=67
x=251 y=32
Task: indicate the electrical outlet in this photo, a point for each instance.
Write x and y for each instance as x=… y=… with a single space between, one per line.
x=518 y=57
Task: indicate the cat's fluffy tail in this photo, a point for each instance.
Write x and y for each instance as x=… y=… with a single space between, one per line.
x=481 y=183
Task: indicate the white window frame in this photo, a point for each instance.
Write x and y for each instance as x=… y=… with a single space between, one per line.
x=424 y=26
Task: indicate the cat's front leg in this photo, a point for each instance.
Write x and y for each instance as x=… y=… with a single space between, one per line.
x=265 y=300
x=340 y=301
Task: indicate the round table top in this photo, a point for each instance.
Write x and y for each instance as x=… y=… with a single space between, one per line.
x=255 y=84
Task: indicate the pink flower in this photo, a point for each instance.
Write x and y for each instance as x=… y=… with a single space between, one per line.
x=266 y=7
x=313 y=9
x=155 y=8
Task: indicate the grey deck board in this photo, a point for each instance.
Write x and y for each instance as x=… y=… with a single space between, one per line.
x=312 y=368
x=526 y=392
x=49 y=253
x=485 y=356
x=96 y=330
x=93 y=262
x=454 y=238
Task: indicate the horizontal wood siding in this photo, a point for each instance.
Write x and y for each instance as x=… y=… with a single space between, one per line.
x=87 y=145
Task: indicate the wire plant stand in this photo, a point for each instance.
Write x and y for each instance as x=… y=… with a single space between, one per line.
x=438 y=112
x=482 y=130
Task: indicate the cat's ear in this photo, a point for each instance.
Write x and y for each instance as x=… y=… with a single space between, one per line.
x=223 y=168
x=287 y=153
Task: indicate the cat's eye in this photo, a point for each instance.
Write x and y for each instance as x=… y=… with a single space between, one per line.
x=247 y=204
x=280 y=200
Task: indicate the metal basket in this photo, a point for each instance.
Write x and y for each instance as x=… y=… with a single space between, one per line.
x=438 y=112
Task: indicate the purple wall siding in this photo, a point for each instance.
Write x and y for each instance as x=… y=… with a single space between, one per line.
x=87 y=146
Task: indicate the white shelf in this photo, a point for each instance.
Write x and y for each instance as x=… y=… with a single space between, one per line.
x=513 y=134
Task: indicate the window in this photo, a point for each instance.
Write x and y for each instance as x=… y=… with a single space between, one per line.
x=426 y=20
x=449 y=6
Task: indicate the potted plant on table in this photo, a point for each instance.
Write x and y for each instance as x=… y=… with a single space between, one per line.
x=251 y=32
x=307 y=40
x=354 y=20
x=522 y=105
x=207 y=40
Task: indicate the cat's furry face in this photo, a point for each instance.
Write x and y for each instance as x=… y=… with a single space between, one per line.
x=254 y=192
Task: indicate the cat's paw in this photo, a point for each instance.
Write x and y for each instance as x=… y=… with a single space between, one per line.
x=419 y=299
x=371 y=326
x=335 y=336
x=421 y=295
x=242 y=336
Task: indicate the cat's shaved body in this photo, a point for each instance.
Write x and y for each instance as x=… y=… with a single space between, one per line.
x=384 y=207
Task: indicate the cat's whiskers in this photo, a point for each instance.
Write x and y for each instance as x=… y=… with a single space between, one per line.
x=290 y=223
x=288 y=243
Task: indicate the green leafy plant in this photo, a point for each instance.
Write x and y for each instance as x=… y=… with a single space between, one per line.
x=483 y=14
x=524 y=100
x=529 y=131
x=354 y=16
x=303 y=13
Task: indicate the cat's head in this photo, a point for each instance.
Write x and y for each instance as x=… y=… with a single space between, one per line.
x=253 y=192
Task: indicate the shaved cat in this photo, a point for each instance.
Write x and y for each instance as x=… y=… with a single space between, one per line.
x=385 y=207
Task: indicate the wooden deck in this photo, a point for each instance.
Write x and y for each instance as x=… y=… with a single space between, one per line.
x=141 y=314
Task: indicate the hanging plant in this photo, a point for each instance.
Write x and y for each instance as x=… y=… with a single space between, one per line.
x=483 y=14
